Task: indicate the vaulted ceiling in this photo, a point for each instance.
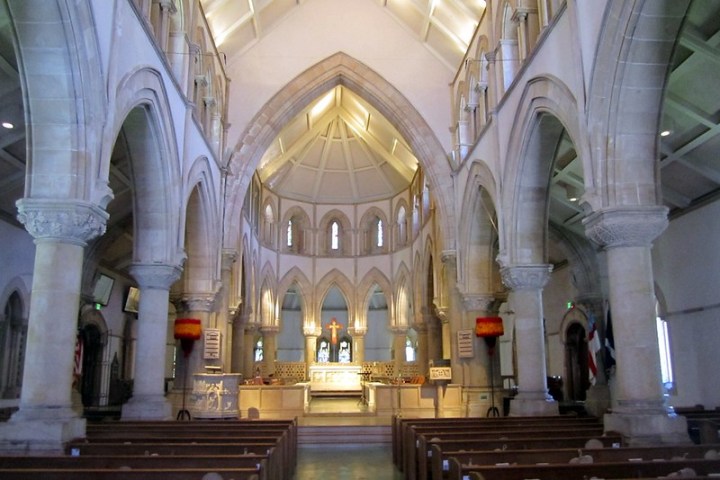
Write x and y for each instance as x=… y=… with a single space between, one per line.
x=345 y=137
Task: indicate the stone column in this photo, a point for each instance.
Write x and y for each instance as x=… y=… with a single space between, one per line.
x=224 y=317
x=249 y=367
x=476 y=370
x=269 y=348
x=198 y=306
x=639 y=413
x=451 y=313
x=434 y=336
x=237 y=354
x=45 y=419
x=311 y=337
x=527 y=282
x=421 y=358
x=358 y=337
x=399 y=336
x=148 y=401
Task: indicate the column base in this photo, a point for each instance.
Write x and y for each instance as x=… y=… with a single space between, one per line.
x=527 y=404
x=155 y=407
x=43 y=431
x=648 y=428
x=479 y=402
x=597 y=401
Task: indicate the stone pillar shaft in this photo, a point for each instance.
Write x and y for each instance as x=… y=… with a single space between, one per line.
x=626 y=233
x=269 y=349
x=52 y=328
x=249 y=367
x=148 y=400
x=45 y=419
x=527 y=282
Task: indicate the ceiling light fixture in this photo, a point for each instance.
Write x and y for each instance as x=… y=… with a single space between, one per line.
x=8 y=125
x=665 y=133
x=572 y=193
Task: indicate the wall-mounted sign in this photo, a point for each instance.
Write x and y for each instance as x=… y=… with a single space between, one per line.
x=440 y=373
x=465 y=344
x=212 y=344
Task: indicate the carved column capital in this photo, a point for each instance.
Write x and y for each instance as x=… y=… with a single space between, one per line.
x=357 y=331
x=398 y=329
x=477 y=302
x=229 y=257
x=526 y=277
x=634 y=226
x=198 y=302
x=68 y=221
x=270 y=329
x=152 y=275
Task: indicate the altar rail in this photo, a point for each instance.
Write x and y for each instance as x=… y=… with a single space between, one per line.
x=385 y=372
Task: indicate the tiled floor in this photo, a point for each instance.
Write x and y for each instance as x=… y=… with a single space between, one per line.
x=338 y=462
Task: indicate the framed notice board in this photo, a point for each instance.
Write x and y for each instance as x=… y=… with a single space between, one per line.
x=466 y=348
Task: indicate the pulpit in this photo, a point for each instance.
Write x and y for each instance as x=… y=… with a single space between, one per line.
x=215 y=395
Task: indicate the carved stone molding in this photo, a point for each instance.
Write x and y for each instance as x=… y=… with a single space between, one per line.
x=228 y=258
x=357 y=331
x=477 y=302
x=270 y=329
x=158 y=276
x=198 y=302
x=398 y=329
x=526 y=277
x=626 y=226
x=448 y=256
x=73 y=222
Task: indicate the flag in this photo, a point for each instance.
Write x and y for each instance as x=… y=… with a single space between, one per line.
x=594 y=347
x=609 y=343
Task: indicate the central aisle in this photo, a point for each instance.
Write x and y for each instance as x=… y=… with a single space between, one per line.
x=346 y=462
x=339 y=440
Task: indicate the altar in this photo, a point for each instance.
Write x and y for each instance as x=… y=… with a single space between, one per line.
x=335 y=377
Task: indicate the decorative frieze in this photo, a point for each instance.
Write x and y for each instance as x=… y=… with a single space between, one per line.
x=526 y=277
x=634 y=226
x=62 y=221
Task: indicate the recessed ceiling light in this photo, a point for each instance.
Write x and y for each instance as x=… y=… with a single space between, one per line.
x=665 y=133
x=8 y=125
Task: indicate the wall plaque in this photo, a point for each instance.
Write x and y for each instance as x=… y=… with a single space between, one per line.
x=212 y=344
x=465 y=344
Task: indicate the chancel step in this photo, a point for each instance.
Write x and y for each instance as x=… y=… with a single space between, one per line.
x=344 y=435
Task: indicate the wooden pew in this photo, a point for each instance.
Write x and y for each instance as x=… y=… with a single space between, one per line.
x=575 y=442
x=122 y=474
x=580 y=471
x=283 y=433
x=202 y=428
x=403 y=435
x=255 y=462
x=440 y=458
x=417 y=453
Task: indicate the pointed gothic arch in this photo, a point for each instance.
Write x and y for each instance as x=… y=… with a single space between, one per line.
x=342 y=69
x=547 y=109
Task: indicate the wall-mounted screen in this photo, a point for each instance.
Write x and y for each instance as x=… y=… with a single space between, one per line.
x=103 y=289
